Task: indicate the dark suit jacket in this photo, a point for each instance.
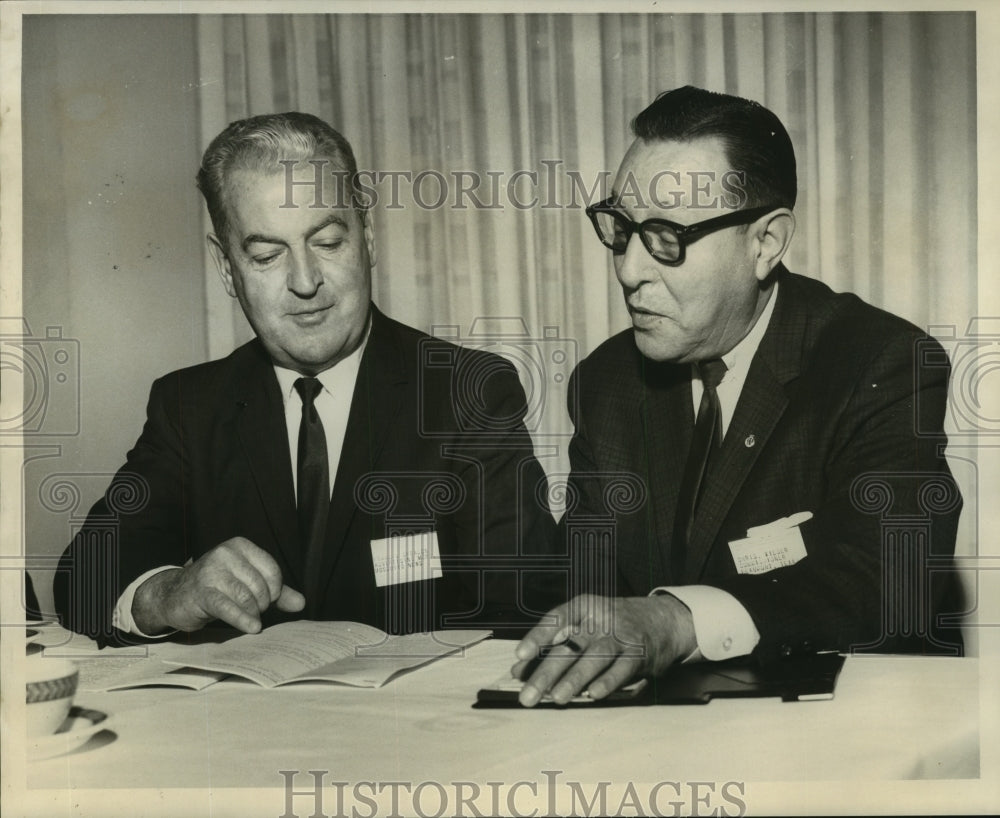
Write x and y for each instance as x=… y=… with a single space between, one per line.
x=435 y=441
x=825 y=423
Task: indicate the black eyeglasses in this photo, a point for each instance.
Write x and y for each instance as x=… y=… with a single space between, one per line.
x=665 y=240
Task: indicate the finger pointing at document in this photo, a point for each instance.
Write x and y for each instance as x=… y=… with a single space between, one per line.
x=235 y=582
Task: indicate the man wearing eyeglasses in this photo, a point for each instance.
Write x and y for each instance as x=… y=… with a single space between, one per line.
x=759 y=412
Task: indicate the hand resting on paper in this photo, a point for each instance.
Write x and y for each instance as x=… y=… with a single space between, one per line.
x=600 y=643
x=235 y=582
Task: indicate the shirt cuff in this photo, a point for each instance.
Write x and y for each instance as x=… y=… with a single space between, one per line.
x=722 y=627
x=122 y=616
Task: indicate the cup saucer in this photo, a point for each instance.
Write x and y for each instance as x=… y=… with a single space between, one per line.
x=72 y=734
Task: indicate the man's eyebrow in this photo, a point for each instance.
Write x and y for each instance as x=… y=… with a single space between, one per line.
x=331 y=219
x=259 y=238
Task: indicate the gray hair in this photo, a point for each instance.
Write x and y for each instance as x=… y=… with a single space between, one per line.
x=260 y=143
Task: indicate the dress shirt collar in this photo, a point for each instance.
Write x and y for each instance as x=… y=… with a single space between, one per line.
x=738 y=359
x=737 y=362
x=339 y=379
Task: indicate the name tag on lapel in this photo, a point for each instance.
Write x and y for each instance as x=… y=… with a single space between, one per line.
x=770 y=546
x=406 y=558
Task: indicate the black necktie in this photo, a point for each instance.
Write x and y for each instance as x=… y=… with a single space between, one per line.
x=707 y=436
x=313 y=491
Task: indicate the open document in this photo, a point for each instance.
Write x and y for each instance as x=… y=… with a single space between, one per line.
x=345 y=652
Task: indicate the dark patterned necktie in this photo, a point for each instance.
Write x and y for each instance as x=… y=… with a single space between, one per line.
x=313 y=491
x=707 y=436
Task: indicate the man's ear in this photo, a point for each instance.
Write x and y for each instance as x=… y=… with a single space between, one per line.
x=222 y=264
x=369 y=223
x=773 y=233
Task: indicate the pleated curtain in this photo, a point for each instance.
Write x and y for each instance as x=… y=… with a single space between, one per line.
x=881 y=109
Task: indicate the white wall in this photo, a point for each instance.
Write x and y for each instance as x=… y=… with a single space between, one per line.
x=109 y=124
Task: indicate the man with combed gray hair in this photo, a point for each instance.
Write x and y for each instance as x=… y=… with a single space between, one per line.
x=337 y=466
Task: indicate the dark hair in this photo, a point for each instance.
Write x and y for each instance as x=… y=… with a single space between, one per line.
x=755 y=141
x=259 y=143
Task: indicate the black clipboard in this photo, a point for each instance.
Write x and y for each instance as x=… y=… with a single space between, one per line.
x=795 y=679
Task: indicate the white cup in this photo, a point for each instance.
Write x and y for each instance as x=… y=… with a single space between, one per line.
x=50 y=687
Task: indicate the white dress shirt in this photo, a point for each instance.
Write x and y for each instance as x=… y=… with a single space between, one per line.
x=333 y=403
x=722 y=627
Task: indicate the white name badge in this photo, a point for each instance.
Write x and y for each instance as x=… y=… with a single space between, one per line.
x=407 y=558
x=770 y=546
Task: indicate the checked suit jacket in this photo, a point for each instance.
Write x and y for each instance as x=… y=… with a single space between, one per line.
x=827 y=422
x=435 y=441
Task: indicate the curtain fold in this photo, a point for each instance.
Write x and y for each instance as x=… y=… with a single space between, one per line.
x=880 y=108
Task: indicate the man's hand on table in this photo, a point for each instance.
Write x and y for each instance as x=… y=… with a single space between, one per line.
x=235 y=582
x=600 y=644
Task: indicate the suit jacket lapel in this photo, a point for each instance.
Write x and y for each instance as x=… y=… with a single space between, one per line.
x=667 y=416
x=264 y=440
x=760 y=406
x=374 y=406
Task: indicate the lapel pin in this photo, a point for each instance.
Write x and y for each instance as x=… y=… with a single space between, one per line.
x=750 y=441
